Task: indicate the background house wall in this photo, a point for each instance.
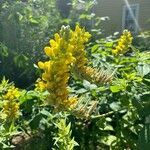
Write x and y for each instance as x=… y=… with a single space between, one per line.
x=114 y=10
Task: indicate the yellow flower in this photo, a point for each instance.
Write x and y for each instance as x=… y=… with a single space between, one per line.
x=12 y=93
x=11 y=106
x=11 y=110
x=41 y=65
x=57 y=37
x=49 y=51
x=56 y=71
x=72 y=102
x=40 y=85
x=53 y=43
x=78 y=38
x=123 y=43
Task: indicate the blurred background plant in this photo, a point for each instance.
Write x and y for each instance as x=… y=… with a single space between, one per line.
x=26 y=26
x=142 y=41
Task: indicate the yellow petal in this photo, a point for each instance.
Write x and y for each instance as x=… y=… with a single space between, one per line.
x=57 y=37
x=41 y=65
x=49 y=51
x=53 y=43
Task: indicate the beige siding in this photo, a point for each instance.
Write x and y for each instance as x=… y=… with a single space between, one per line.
x=114 y=10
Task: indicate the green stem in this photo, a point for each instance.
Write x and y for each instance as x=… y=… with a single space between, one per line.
x=106 y=114
x=103 y=115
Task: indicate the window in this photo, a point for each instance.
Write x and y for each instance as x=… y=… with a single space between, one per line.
x=130 y=17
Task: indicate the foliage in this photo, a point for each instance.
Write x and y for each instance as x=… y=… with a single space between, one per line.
x=63 y=141
x=107 y=115
x=15 y=66
x=142 y=41
x=82 y=12
x=25 y=28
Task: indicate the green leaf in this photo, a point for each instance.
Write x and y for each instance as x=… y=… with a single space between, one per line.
x=33 y=21
x=109 y=128
x=146 y=110
x=3 y=50
x=80 y=91
x=109 y=44
x=88 y=85
x=137 y=104
x=34 y=123
x=115 y=88
x=144 y=138
x=108 y=139
x=95 y=47
x=144 y=69
x=115 y=106
x=145 y=97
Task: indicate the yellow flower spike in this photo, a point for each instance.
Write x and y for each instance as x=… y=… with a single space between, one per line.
x=123 y=43
x=12 y=94
x=69 y=50
x=11 y=111
x=56 y=72
x=11 y=106
x=78 y=38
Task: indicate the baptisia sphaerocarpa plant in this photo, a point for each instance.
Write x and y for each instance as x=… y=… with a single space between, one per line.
x=95 y=99
x=67 y=54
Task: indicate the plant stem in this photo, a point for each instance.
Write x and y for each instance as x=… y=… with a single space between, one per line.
x=106 y=114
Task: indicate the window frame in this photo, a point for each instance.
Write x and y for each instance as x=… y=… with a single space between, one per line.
x=137 y=5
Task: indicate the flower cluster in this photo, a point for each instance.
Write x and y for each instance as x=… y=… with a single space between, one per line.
x=11 y=106
x=40 y=85
x=57 y=69
x=78 y=39
x=123 y=44
x=66 y=52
